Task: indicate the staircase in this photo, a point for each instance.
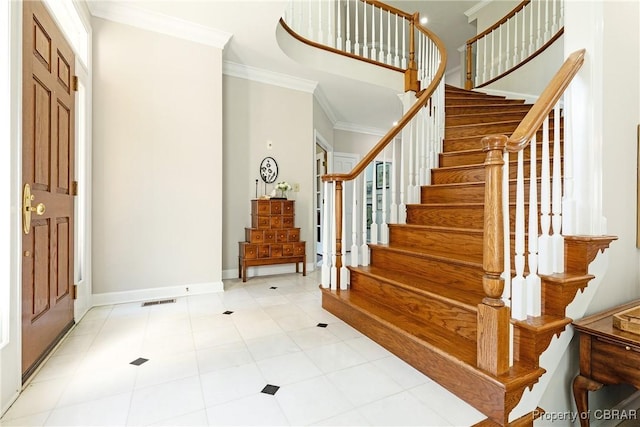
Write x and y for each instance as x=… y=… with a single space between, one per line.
x=421 y=297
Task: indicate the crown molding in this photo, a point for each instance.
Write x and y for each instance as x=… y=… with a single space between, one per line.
x=159 y=23
x=269 y=77
x=325 y=105
x=475 y=9
x=351 y=127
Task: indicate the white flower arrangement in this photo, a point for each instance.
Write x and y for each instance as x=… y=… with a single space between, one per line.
x=283 y=186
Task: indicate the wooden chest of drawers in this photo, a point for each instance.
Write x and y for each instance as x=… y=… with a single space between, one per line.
x=272 y=237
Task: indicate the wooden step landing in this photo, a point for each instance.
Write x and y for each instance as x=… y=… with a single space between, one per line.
x=452 y=366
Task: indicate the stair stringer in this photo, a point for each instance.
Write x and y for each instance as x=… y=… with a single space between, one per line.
x=551 y=358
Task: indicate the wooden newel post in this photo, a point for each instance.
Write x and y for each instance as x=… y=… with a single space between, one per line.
x=493 y=315
x=338 y=213
x=468 y=84
x=411 y=82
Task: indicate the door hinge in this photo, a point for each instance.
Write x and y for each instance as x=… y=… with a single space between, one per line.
x=74 y=291
x=74 y=188
x=74 y=83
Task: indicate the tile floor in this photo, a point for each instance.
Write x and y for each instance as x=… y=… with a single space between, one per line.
x=205 y=367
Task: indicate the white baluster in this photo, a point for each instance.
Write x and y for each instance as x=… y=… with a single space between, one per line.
x=554 y=27
x=389 y=55
x=348 y=44
x=561 y=20
x=384 y=227
x=334 y=270
x=539 y=39
x=339 y=26
x=545 y=251
x=373 y=34
x=344 y=271
x=412 y=164
x=330 y=36
x=523 y=51
x=519 y=284
x=364 y=249
x=402 y=208
x=320 y=31
x=374 y=206
x=507 y=63
x=493 y=55
x=356 y=49
x=396 y=59
x=404 y=44
x=532 y=47
x=515 y=40
x=556 y=196
x=500 y=50
x=381 y=53
x=326 y=238
x=365 y=47
x=354 y=223
x=310 y=26
x=393 y=207
x=547 y=30
x=534 y=293
x=423 y=147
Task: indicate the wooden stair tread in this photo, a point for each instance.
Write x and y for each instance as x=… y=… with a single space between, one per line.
x=440 y=258
x=460 y=351
x=424 y=285
x=444 y=341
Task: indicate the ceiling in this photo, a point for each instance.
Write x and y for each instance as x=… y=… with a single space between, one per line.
x=253 y=24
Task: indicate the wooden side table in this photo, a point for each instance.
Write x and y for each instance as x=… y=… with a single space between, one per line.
x=608 y=355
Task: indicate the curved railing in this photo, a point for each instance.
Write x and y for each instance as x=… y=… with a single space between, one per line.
x=514 y=40
x=378 y=190
x=541 y=230
x=412 y=144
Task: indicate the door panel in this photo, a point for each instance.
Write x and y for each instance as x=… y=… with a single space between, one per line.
x=47 y=163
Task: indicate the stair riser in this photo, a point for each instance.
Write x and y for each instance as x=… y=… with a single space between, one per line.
x=482 y=392
x=467 y=119
x=471 y=193
x=473 y=174
x=450 y=101
x=476 y=157
x=429 y=311
x=475 y=142
x=461 y=245
x=464 y=277
x=480 y=129
x=454 y=216
x=458 y=110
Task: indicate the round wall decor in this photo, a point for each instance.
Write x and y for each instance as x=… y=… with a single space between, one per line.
x=269 y=170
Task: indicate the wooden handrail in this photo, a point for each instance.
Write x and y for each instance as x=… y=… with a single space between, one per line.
x=495 y=26
x=543 y=106
x=388 y=8
x=334 y=50
x=406 y=118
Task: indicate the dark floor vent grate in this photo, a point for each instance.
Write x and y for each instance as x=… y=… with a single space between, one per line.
x=158 y=302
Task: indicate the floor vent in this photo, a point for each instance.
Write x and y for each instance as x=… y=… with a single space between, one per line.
x=158 y=302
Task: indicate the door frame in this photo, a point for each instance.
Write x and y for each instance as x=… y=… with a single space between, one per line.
x=320 y=141
x=11 y=184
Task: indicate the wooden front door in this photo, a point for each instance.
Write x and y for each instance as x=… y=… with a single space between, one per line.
x=48 y=107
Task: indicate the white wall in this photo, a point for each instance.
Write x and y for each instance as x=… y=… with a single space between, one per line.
x=354 y=142
x=255 y=113
x=610 y=32
x=157 y=168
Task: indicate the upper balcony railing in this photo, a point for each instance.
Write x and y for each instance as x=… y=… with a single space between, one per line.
x=513 y=41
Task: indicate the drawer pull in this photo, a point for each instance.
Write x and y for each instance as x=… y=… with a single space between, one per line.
x=626 y=347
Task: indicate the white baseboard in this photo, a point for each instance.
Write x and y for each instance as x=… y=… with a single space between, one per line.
x=266 y=270
x=109 y=298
